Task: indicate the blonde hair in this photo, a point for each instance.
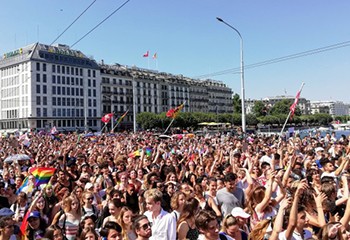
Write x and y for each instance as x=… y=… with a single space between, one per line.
x=125 y=228
x=67 y=204
x=154 y=194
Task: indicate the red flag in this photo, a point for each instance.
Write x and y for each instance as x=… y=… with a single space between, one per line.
x=294 y=105
x=106 y=118
x=172 y=113
x=146 y=54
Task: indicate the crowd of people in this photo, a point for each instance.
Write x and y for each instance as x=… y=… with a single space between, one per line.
x=146 y=186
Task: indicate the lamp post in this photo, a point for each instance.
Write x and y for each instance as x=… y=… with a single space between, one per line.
x=242 y=74
x=134 y=101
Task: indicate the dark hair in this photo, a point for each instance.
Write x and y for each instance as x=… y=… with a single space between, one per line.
x=108 y=226
x=137 y=219
x=87 y=230
x=229 y=177
x=203 y=217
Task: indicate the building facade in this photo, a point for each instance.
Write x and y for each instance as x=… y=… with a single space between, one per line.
x=334 y=108
x=158 y=92
x=44 y=86
x=303 y=103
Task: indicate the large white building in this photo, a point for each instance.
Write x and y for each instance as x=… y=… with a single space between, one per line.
x=44 y=86
x=334 y=108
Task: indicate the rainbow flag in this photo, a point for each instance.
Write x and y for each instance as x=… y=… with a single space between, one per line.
x=42 y=174
x=148 y=152
x=24 y=184
x=118 y=120
x=137 y=153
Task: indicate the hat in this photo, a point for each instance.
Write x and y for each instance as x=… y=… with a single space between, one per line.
x=265 y=159
x=34 y=214
x=238 y=212
x=5 y=212
x=88 y=186
x=319 y=149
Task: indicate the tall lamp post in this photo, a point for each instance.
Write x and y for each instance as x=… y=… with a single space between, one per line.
x=242 y=73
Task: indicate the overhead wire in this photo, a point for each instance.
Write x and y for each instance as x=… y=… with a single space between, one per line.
x=277 y=60
x=72 y=22
x=121 y=6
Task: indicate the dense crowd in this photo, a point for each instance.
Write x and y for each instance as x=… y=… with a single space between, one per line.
x=147 y=186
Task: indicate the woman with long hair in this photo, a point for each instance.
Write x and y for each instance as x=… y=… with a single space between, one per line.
x=205 y=203
x=87 y=206
x=114 y=208
x=177 y=203
x=70 y=219
x=36 y=226
x=125 y=222
x=186 y=227
x=50 y=200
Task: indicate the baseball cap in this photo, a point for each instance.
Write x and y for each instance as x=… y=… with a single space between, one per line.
x=4 y=212
x=239 y=212
x=319 y=149
x=88 y=185
x=34 y=214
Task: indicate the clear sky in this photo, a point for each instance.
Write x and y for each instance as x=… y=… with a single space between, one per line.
x=190 y=41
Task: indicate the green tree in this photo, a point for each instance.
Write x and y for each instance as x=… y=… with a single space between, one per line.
x=281 y=107
x=259 y=109
x=148 y=120
x=237 y=104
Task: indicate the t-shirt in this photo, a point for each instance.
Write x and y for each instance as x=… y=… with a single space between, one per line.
x=229 y=200
x=296 y=235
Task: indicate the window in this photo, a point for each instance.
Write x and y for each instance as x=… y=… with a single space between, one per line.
x=63 y=70
x=94 y=83
x=54 y=101
x=44 y=67
x=58 y=69
x=44 y=78
x=63 y=91
x=38 y=77
x=38 y=100
x=53 y=90
x=59 y=90
x=53 y=79
x=38 y=112
x=45 y=100
x=93 y=73
x=89 y=82
x=58 y=79
x=53 y=68
x=44 y=89
x=81 y=72
x=38 y=66
x=63 y=80
x=68 y=70
x=45 y=112
x=89 y=73
x=68 y=91
x=38 y=88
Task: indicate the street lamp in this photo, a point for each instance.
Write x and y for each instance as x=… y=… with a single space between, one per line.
x=242 y=74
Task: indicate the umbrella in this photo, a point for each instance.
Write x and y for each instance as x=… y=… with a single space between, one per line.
x=164 y=136
x=16 y=157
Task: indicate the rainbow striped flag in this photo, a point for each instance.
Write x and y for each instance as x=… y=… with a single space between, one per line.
x=42 y=174
x=24 y=184
x=118 y=120
x=148 y=152
x=137 y=153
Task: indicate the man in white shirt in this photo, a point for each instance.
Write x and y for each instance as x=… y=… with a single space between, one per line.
x=163 y=223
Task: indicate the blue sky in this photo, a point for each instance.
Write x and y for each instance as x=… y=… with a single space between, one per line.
x=190 y=41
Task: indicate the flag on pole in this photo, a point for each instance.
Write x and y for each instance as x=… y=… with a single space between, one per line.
x=106 y=118
x=146 y=54
x=155 y=56
x=24 y=184
x=294 y=105
x=172 y=113
x=118 y=120
x=42 y=174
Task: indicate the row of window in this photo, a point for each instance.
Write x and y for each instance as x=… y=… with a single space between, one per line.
x=73 y=123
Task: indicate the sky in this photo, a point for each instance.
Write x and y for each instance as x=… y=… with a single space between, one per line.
x=190 y=41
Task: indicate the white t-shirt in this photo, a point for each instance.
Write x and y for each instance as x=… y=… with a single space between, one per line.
x=296 y=235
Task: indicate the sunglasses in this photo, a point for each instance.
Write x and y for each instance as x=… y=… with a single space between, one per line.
x=90 y=198
x=146 y=226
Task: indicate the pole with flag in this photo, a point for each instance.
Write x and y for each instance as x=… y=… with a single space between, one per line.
x=106 y=119
x=172 y=113
x=292 y=108
x=155 y=57
x=146 y=55
x=118 y=120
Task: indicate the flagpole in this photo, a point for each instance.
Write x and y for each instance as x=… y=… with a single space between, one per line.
x=103 y=127
x=169 y=125
x=290 y=112
x=112 y=122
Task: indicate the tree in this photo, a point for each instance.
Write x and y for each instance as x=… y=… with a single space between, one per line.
x=237 y=104
x=259 y=109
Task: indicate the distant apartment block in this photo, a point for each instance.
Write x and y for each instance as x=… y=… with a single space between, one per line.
x=334 y=108
x=303 y=104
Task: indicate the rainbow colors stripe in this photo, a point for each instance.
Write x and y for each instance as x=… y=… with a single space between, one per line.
x=42 y=174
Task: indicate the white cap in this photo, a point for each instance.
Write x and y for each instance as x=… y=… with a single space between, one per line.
x=239 y=212
x=88 y=186
x=265 y=159
x=319 y=149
